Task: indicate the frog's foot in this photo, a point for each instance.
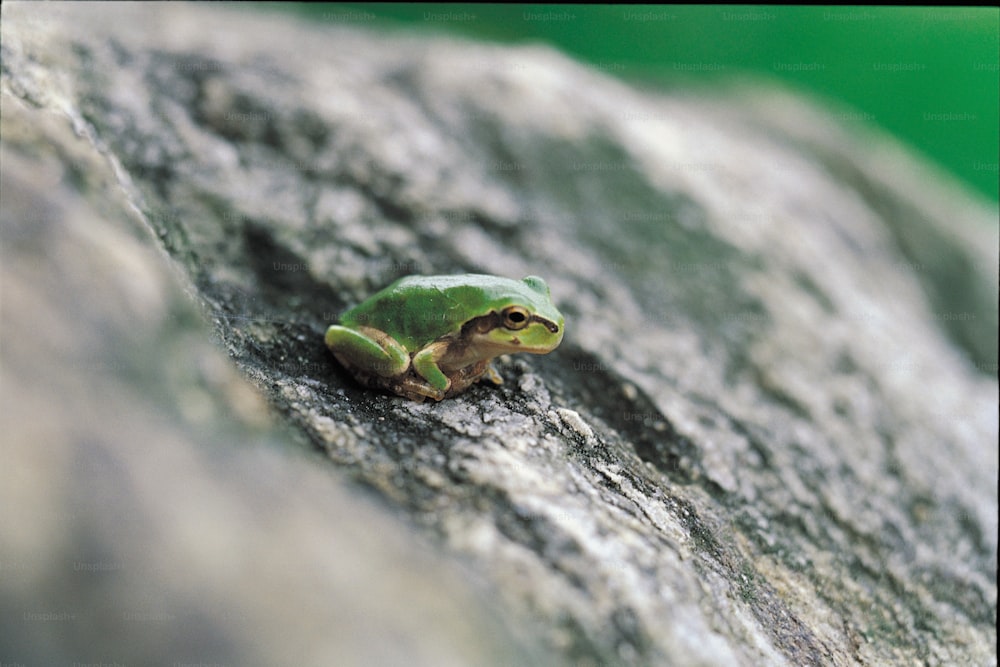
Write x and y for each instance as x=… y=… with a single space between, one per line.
x=408 y=385
x=492 y=374
x=463 y=378
x=415 y=389
x=367 y=350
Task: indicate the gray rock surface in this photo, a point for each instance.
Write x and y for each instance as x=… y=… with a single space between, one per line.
x=769 y=437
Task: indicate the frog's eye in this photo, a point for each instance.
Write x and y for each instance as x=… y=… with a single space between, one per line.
x=515 y=317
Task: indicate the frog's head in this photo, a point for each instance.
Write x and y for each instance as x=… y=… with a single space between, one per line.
x=523 y=319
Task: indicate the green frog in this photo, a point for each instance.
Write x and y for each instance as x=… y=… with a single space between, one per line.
x=435 y=336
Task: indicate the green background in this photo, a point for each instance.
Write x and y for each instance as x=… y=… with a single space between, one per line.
x=928 y=75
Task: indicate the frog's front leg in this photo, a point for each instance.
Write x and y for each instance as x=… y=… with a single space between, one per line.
x=449 y=382
x=425 y=363
x=368 y=350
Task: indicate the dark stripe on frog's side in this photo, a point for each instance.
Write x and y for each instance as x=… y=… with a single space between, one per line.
x=493 y=320
x=482 y=324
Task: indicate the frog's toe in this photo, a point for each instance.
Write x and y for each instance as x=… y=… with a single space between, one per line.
x=493 y=375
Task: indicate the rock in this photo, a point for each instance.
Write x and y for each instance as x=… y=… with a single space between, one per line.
x=769 y=436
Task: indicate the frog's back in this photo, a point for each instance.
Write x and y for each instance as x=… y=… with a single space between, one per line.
x=417 y=310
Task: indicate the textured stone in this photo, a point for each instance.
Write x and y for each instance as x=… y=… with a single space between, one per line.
x=769 y=437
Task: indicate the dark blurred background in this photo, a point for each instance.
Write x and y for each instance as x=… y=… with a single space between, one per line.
x=928 y=75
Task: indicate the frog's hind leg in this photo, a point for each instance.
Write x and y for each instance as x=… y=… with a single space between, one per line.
x=368 y=349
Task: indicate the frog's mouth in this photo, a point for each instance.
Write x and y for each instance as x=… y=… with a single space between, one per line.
x=548 y=324
x=530 y=338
